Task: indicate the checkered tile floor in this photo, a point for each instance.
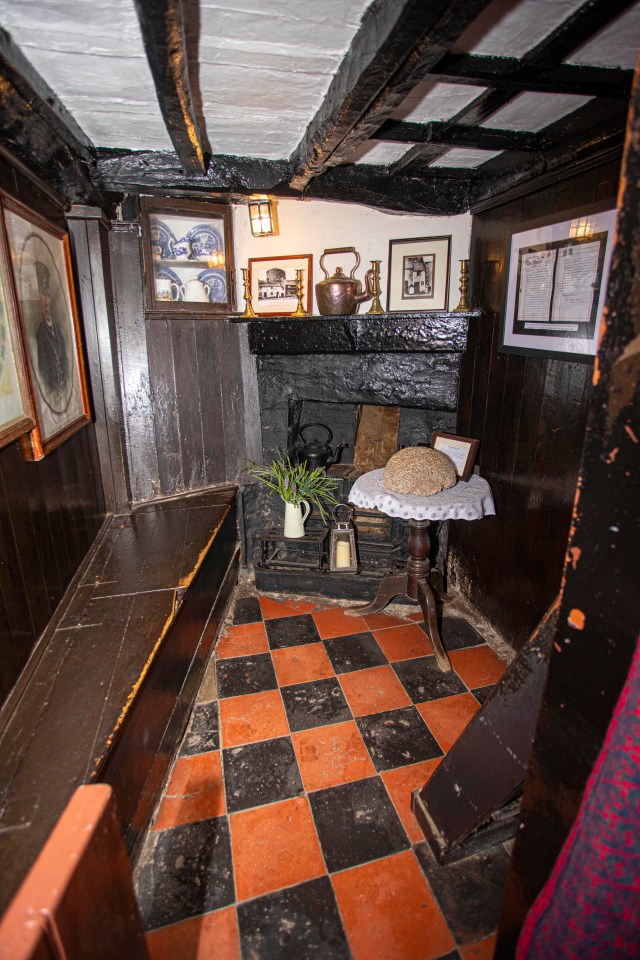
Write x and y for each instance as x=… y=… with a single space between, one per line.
x=285 y=830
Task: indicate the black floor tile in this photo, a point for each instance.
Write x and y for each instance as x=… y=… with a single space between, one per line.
x=247 y=610
x=204 y=732
x=242 y=675
x=260 y=773
x=422 y=679
x=190 y=872
x=291 y=631
x=397 y=738
x=355 y=652
x=300 y=922
x=469 y=892
x=356 y=822
x=482 y=693
x=457 y=633
x=315 y=704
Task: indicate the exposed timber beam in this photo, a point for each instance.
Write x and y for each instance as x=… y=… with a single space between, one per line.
x=38 y=130
x=441 y=132
x=585 y=21
x=495 y=72
x=163 y=31
x=593 y=129
x=397 y=43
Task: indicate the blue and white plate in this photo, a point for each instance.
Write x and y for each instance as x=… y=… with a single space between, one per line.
x=162 y=240
x=216 y=282
x=205 y=241
x=167 y=278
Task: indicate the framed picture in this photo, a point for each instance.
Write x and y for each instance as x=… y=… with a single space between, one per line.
x=272 y=282
x=43 y=284
x=187 y=249
x=418 y=274
x=16 y=407
x=462 y=450
x=557 y=285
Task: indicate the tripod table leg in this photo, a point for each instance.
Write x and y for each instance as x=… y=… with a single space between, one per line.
x=428 y=606
x=392 y=585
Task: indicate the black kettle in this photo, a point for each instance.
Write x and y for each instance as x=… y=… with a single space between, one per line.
x=318 y=453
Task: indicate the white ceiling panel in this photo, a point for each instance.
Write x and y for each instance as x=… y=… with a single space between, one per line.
x=615 y=46
x=534 y=111
x=508 y=29
x=435 y=101
x=465 y=157
x=379 y=153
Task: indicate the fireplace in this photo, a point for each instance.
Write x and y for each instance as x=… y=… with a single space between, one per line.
x=322 y=370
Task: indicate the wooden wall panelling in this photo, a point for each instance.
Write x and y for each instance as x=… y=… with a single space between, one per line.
x=88 y=230
x=135 y=385
x=236 y=407
x=165 y=405
x=529 y=414
x=213 y=355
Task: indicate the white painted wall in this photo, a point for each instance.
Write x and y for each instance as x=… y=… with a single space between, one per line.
x=310 y=226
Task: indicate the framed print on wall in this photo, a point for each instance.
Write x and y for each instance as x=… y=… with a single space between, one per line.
x=558 y=274
x=272 y=282
x=16 y=408
x=41 y=268
x=418 y=274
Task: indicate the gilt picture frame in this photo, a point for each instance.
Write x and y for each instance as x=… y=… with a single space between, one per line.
x=17 y=415
x=272 y=283
x=44 y=293
x=418 y=277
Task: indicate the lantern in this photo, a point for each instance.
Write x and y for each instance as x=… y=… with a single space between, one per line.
x=343 y=556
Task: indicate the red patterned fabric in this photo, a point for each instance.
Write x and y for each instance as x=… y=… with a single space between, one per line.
x=589 y=909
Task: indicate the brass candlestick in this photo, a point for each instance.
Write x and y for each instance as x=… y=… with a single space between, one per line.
x=300 y=310
x=374 y=279
x=248 y=310
x=463 y=306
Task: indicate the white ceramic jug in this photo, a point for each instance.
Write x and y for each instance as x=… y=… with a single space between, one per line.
x=294 y=519
x=196 y=290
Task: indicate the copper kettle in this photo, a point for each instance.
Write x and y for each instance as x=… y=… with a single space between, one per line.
x=340 y=294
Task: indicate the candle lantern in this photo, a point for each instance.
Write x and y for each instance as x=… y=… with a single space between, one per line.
x=343 y=556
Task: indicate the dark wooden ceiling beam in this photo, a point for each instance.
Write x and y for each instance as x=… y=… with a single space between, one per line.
x=37 y=129
x=441 y=132
x=495 y=72
x=585 y=21
x=397 y=43
x=595 y=127
x=163 y=32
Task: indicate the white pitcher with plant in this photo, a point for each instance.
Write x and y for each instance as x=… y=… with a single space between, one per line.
x=298 y=487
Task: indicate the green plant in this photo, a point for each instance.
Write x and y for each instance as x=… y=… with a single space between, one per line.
x=295 y=484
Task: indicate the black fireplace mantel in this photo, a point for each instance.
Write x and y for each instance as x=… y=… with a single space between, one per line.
x=438 y=332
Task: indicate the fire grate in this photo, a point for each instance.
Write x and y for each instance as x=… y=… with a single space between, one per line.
x=278 y=552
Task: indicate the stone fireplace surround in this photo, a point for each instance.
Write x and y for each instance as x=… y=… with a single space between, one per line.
x=322 y=368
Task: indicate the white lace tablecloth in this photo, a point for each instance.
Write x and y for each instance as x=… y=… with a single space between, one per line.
x=465 y=501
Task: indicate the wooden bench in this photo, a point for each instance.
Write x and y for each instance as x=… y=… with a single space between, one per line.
x=107 y=694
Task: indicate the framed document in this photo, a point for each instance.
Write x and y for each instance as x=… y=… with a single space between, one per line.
x=558 y=274
x=462 y=450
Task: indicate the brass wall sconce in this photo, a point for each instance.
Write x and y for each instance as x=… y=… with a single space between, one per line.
x=262 y=216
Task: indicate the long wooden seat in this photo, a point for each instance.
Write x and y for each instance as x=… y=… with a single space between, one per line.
x=108 y=691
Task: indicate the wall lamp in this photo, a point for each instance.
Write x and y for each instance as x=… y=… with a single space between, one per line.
x=262 y=216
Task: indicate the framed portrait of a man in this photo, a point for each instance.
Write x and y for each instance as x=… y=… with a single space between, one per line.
x=41 y=267
x=16 y=408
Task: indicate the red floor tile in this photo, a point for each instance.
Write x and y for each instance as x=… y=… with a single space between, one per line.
x=380 y=621
x=242 y=640
x=200 y=938
x=328 y=756
x=400 y=784
x=301 y=664
x=274 y=846
x=480 y=950
x=447 y=718
x=291 y=608
x=389 y=912
x=195 y=791
x=253 y=717
x=332 y=622
x=404 y=643
x=477 y=666
x=373 y=690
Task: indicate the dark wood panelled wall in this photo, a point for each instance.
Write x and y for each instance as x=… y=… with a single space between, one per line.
x=529 y=414
x=50 y=511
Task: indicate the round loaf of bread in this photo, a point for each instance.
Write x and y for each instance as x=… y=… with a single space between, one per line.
x=420 y=471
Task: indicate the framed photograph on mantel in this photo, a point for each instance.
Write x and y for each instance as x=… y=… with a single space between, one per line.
x=16 y=407
x=272 y=281
x=558 y=274
x=43 y=283
x=418 y=274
